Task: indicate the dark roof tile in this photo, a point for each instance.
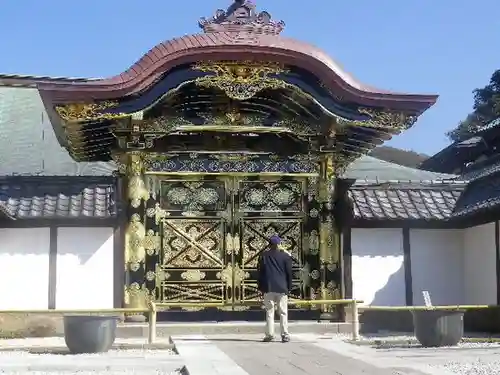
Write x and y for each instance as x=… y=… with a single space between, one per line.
x=480 y=195
x=405 y=201
x=482 y=169
x=57 y=197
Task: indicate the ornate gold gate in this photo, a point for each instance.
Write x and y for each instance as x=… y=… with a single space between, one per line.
x=262 y=208
x=214 y=230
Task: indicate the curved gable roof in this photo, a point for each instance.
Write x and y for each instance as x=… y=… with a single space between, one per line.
x=225 y=45
x=238 y=33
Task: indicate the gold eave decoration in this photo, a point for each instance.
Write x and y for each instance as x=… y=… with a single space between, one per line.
x=87 y=111
x=387 y=120
x=240 y=80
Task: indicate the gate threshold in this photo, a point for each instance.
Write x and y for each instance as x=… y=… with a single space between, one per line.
x=132 y=330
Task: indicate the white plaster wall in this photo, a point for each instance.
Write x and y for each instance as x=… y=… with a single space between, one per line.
x=480 y=265
x=84 y=268
x=437 y=265
x=378 y=266
x=24 y=268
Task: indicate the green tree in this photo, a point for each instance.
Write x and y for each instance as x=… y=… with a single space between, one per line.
x=486 y=108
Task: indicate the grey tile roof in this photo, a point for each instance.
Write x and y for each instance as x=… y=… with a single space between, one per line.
x=370 y=168
x=57 y=197
x=21 y=80
x=405 y=201
x=28 y=144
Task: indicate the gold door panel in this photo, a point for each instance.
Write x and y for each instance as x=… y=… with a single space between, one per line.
x=193 y=243
x=189 y=196
x=193 y=258
x=193 y=237
x=270 y=196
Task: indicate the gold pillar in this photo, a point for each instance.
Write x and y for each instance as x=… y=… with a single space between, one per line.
x=135 y=293
x=328 y=236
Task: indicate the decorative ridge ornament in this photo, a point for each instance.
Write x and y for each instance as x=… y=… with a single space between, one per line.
x=240 y=80
x=241 y=16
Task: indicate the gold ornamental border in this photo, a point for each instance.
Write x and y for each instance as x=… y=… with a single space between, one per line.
x=229 y=174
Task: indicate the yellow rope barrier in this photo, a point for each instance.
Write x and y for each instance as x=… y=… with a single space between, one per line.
x=154 y=308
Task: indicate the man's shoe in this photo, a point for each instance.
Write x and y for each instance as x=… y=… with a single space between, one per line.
x=285 y=338
x=268 y=339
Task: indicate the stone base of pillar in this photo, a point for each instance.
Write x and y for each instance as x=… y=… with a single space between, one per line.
x=136 y=298
x=135 y=318
x=327 y=317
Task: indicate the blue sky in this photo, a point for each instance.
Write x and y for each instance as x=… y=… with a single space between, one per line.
x=419 y=46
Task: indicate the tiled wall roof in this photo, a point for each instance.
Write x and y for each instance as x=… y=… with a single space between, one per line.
x=57 y=197
x=405 y=201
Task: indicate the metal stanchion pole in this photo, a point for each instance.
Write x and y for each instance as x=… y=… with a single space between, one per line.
x=152 y=323
x=355 y=321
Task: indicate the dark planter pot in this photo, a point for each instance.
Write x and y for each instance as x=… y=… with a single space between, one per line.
x=89 y=334
x=438 y=327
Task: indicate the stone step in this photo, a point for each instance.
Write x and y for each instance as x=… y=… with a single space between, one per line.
x=131 y=330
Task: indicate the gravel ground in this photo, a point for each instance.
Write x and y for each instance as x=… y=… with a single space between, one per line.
x=472 y=359
x=467 y=358
x=26 y=360
x=399 y=338
x=477 y=367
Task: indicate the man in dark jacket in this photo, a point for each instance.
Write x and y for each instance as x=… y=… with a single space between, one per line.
x=275 y=283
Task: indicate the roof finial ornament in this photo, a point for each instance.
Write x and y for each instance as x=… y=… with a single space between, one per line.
x=241 y=16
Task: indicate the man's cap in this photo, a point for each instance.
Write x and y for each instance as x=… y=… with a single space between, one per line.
x=275 y=240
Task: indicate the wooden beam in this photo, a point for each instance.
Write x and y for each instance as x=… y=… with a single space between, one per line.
x=52 y=268
x=407 y=266
x=347 y=262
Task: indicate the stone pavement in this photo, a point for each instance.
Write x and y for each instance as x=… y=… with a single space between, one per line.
x=306 y=354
